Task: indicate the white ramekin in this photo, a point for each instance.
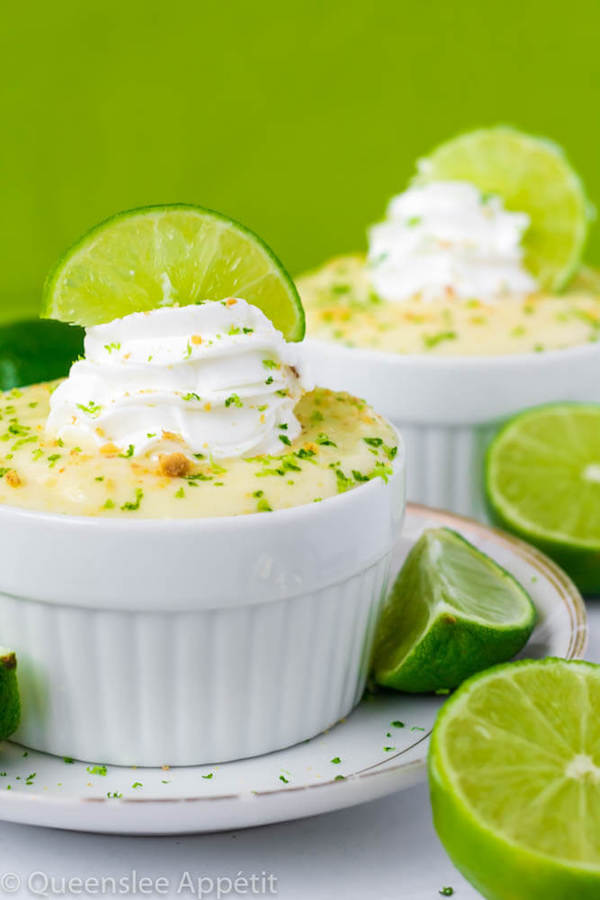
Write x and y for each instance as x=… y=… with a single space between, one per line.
x=448 y=408
x=180 y=642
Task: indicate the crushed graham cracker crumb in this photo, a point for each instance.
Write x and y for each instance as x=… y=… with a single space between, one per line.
x=175 y=465
x=13 y=479
x=109 y=450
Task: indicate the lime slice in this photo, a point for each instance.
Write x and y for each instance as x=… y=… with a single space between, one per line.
x=163 y=255
x=543 y=483
x=452 y=612
x=10 y=704
x=34 y=351
x=514 y=773
x=531 y=175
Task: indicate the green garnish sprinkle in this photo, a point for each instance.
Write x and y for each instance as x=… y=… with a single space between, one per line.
x=92 y=409
x=135 y=504
x=432 y=340
x=343 y=482
x=324 y=441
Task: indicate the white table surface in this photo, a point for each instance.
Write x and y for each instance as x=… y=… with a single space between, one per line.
x=385 y=850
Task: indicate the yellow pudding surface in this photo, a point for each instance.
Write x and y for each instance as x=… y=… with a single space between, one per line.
x=341 y=306
x=343 y=444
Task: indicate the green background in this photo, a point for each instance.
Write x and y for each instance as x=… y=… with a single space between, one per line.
x=298 y=118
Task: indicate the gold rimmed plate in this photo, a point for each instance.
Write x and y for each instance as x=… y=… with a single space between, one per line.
x=380 y=748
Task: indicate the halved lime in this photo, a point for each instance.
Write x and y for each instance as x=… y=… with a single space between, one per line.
x=452 y=612
x=10 y=704
x=543 y=483
x=532 y=175
x=163 y=255
x=33 y=351
x=514 y=773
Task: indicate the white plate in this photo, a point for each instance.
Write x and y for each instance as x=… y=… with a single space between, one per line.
x=375 y=756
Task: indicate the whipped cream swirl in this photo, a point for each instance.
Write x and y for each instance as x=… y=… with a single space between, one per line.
x=216 y=377
x=447 y=238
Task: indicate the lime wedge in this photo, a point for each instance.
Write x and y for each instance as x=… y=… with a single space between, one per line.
x=34 y=351
x=532 y=175
x=10 y=704
x=164 y=255
x=514 y=773
x=543 y=483
x=452 y=612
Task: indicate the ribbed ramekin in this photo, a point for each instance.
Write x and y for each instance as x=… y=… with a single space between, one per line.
x=152 y=642
x=448 y=408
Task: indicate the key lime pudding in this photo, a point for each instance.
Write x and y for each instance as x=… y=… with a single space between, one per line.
x=470 y=304
x=342 y=305
x=212 y=533
x=192 y=411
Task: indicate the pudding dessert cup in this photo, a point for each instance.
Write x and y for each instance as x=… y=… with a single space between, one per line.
x=470 y=306
x=196 y=540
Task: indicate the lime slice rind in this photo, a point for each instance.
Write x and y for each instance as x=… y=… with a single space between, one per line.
x=551 y=498
x=522 y=825
x=10 y=703
x=149 y=257
x=510 y=513
x=452 y=611
x=532 y=175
